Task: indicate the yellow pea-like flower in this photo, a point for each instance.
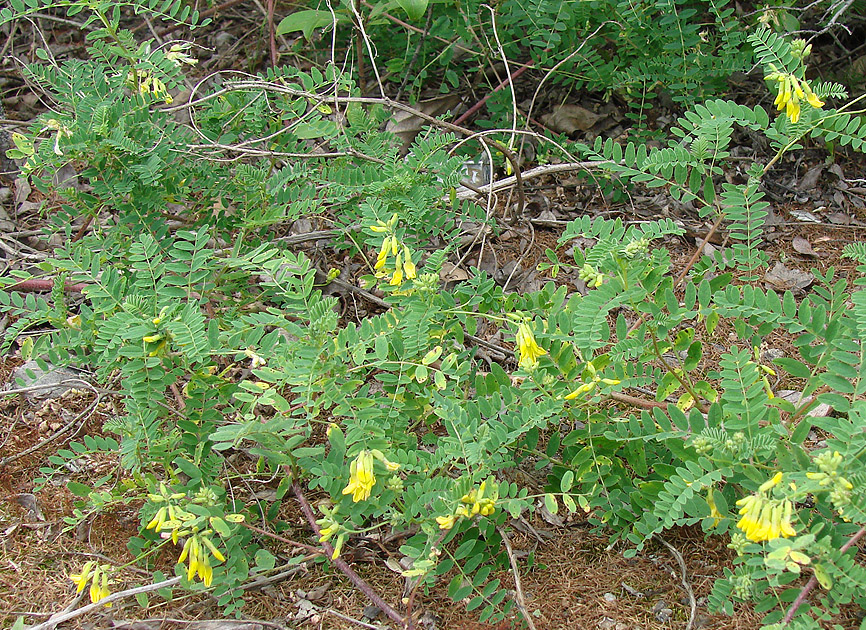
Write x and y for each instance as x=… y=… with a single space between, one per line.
x=361 y=477
x=528 y=349
x=81 y=579
x=446 y=522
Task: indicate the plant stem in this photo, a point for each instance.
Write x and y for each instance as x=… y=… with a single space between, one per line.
x=341 y=564
x=813 y=581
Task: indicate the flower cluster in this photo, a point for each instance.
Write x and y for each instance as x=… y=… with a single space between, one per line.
x=144 y=82
x=329 y=526
x=361 y=476
x=791 y=91
x=528 y=350
x=97 y=576
x=169 y=516
x=477 y=501
x=391 y=246
x=829 y=478
x=764 y=518
x=591 y=276
x=196 y=549
x=174 y=522
x=635 y=248
x=178 y=54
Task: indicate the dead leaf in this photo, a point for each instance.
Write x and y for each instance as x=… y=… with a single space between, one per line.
x=802 y=246
x=452 y=273
x=857 y=69
x=810 y=179
x=570 y=118
x=550 y=517
x=30 y=503
x=839 y=218
x=407 y=125
x=805 y=217
x=782 y=278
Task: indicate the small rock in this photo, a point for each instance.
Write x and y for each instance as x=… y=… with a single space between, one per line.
x=609 y=597
x=223 y=39
x=607 y=624
x=51 y=383
x=661 y=611
x=372 y=612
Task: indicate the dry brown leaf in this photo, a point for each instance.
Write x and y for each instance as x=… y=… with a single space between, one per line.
x=782 y=278
x=810 y=179
x=407 y=125
x=452 y=273
x=802 y=246
x=570 y=118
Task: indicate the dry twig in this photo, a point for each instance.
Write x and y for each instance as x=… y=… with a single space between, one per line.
x=518 y=589
x=686 y=586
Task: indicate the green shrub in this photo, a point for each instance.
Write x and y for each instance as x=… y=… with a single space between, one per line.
x=235 y=349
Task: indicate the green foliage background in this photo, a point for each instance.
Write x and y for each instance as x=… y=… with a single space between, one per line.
x=237 y=325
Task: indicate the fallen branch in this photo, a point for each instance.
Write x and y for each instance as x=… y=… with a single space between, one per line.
x=130 y=592
x=693 y=605
x=36 y=285
x=518 y=588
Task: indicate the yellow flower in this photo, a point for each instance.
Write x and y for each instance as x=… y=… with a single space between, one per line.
x=580 y=391
x=81 y=579
x=528 y=350
x=791 y=91
x=446 y=522
x=391 y=466
x=787 y=511
x=361 y=479
x=813 y=100
x=326 y=533
x=199 y=563
x=97 y=576
x=714 y=511
x=382 y=258
x=772 y=483
x=408 y=266
x=397 y=278
x=341 y=539
x=764 y=519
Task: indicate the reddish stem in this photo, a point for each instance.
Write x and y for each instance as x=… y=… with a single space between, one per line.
x=35 y=285
x=341 y=564
x=480 y=103
x=813 y=581
x=271 y=34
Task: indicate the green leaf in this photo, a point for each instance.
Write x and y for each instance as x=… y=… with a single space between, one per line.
x=415 y=9
x=220 y=526
x=265 y=560
x=307 y=21
x=567 y=481
x=78 y=489
x=550 y=503
x=439 y=380
x=793 y=367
